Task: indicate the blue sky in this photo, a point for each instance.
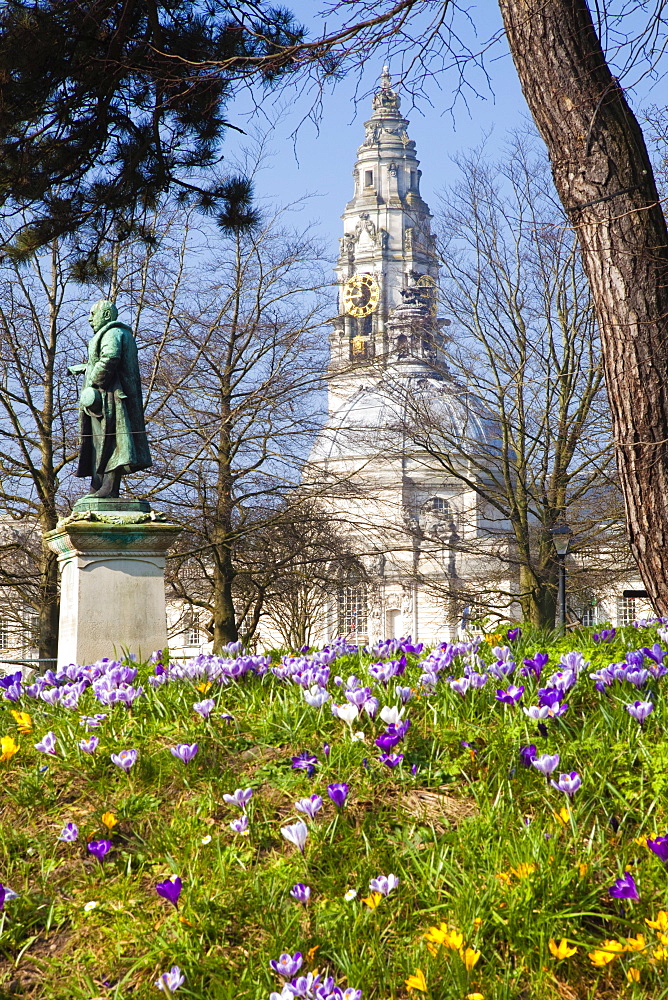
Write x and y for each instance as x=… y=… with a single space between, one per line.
x=316 y=159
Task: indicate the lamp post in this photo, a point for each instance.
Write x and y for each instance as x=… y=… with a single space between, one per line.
x=561 y=537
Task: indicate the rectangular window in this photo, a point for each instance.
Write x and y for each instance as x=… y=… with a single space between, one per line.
x=193 y=631
x=5 y=634
x=626 y=610
x=353 y=612
x=368 y=178
x=413 y=179
x=589 y=616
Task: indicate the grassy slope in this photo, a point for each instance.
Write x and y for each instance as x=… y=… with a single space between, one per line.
x=453 y=833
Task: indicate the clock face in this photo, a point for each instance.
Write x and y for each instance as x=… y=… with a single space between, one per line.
x=361 y=295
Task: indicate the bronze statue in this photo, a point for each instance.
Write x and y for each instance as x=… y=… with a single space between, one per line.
x=113 y=439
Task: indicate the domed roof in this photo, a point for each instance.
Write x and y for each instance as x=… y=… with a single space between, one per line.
x=410 y=406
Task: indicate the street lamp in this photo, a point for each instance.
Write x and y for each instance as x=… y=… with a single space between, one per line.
x=561 y=537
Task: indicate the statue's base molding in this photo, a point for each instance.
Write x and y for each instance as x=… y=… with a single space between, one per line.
x=112 y=564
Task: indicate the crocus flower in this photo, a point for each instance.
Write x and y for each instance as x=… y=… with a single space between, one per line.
x=391 y=759
x=171 y=980
x=300 y=892
x=69 y=832
x=536 y=712
x=391 y=715
x=346 y=712
x=204 y=708
x=568 y=783
x=546 y=763
x=240 y=825
x=527 y=754
x=513 y=633
x=660 y=847
x=92 y=721
x=605 y=635
x=316 y=696
x=511 y=696
x=384 y=884
x=309 y=806
x=326 y=749
x=624 y=888
x=296 y=833
x=170 y=890
x=89 y=745
x=125 y=759
x=305 y=761
x=639 y=710
x=240 y=798
x=6 y=894
x=98 y=848
x=287 y=965
x=184 y=751
x=404 y=694
x=460 y=685
x=534 y=665
x=338 y=793
x=47 y=744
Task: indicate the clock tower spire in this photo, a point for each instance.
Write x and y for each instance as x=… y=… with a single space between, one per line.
x=387 y=244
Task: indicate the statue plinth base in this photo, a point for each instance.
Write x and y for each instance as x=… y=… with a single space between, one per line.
x=112 y=563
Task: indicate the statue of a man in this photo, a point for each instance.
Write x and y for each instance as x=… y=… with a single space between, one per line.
x=113 y=438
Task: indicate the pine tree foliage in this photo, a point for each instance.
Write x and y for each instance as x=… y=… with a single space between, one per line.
x=107 y=105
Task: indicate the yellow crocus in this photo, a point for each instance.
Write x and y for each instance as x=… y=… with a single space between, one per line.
x=443 y=935
x=583 y=869
x=203 y=687
x=469 y=957
x=109 y=820
x=608 y=952
x=663 y=938
x=633 y=975
x=661 y=922
x=504 y=877
x=660 y=954
x=636 y=943
x=8 y=747
x=23 y=721
x=523 y=870
x=561 y=950
x=474 y=996
x=564 y=815
x=373 y=900
x=417 y=981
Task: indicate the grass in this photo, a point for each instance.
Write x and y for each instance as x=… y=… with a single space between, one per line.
x=483 y=847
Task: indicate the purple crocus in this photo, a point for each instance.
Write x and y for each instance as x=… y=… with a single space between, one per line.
x=69 y=833
x=204 y=708
x=92 y=721
x=546 y=763
x=513 y=633
x=6 y=894
x=404 y=694
x=460 y=685
x=296 y=834
x=47 y=744
x=391 y=759
x=89 y=745
x=99 y=848
x=338 y=793
x=568 y=783
x=240 y=798
x=184 y=751
x=624 y=888
x=527 y=754
x=240 y=825
x=170 y=981
x=511 y=696
x=659 y=846
x=125 y=759
x=170 y=890
x=605 y=635
x=300 y=892
x=384 y=884
x=309 y=806
x=534 y=665
x=326 y=750
x=305 y=761
x=287 y=965
x=639 y=710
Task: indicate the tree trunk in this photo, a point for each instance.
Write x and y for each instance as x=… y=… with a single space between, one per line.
x=605 y=182
x=49 y=607
x=224 y=615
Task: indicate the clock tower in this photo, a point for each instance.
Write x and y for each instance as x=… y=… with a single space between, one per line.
x=387 y=245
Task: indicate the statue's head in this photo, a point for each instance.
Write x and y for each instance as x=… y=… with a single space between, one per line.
x=101 y=313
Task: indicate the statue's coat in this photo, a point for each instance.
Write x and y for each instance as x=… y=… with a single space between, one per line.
x=113 y=368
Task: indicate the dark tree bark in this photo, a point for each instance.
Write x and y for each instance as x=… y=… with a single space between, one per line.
x=605 y=181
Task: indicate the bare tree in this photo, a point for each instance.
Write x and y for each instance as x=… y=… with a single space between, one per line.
x=38 y=339
x=233 y=392
x=524 y=359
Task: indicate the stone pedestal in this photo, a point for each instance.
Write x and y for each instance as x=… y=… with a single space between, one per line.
x=111 y=555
